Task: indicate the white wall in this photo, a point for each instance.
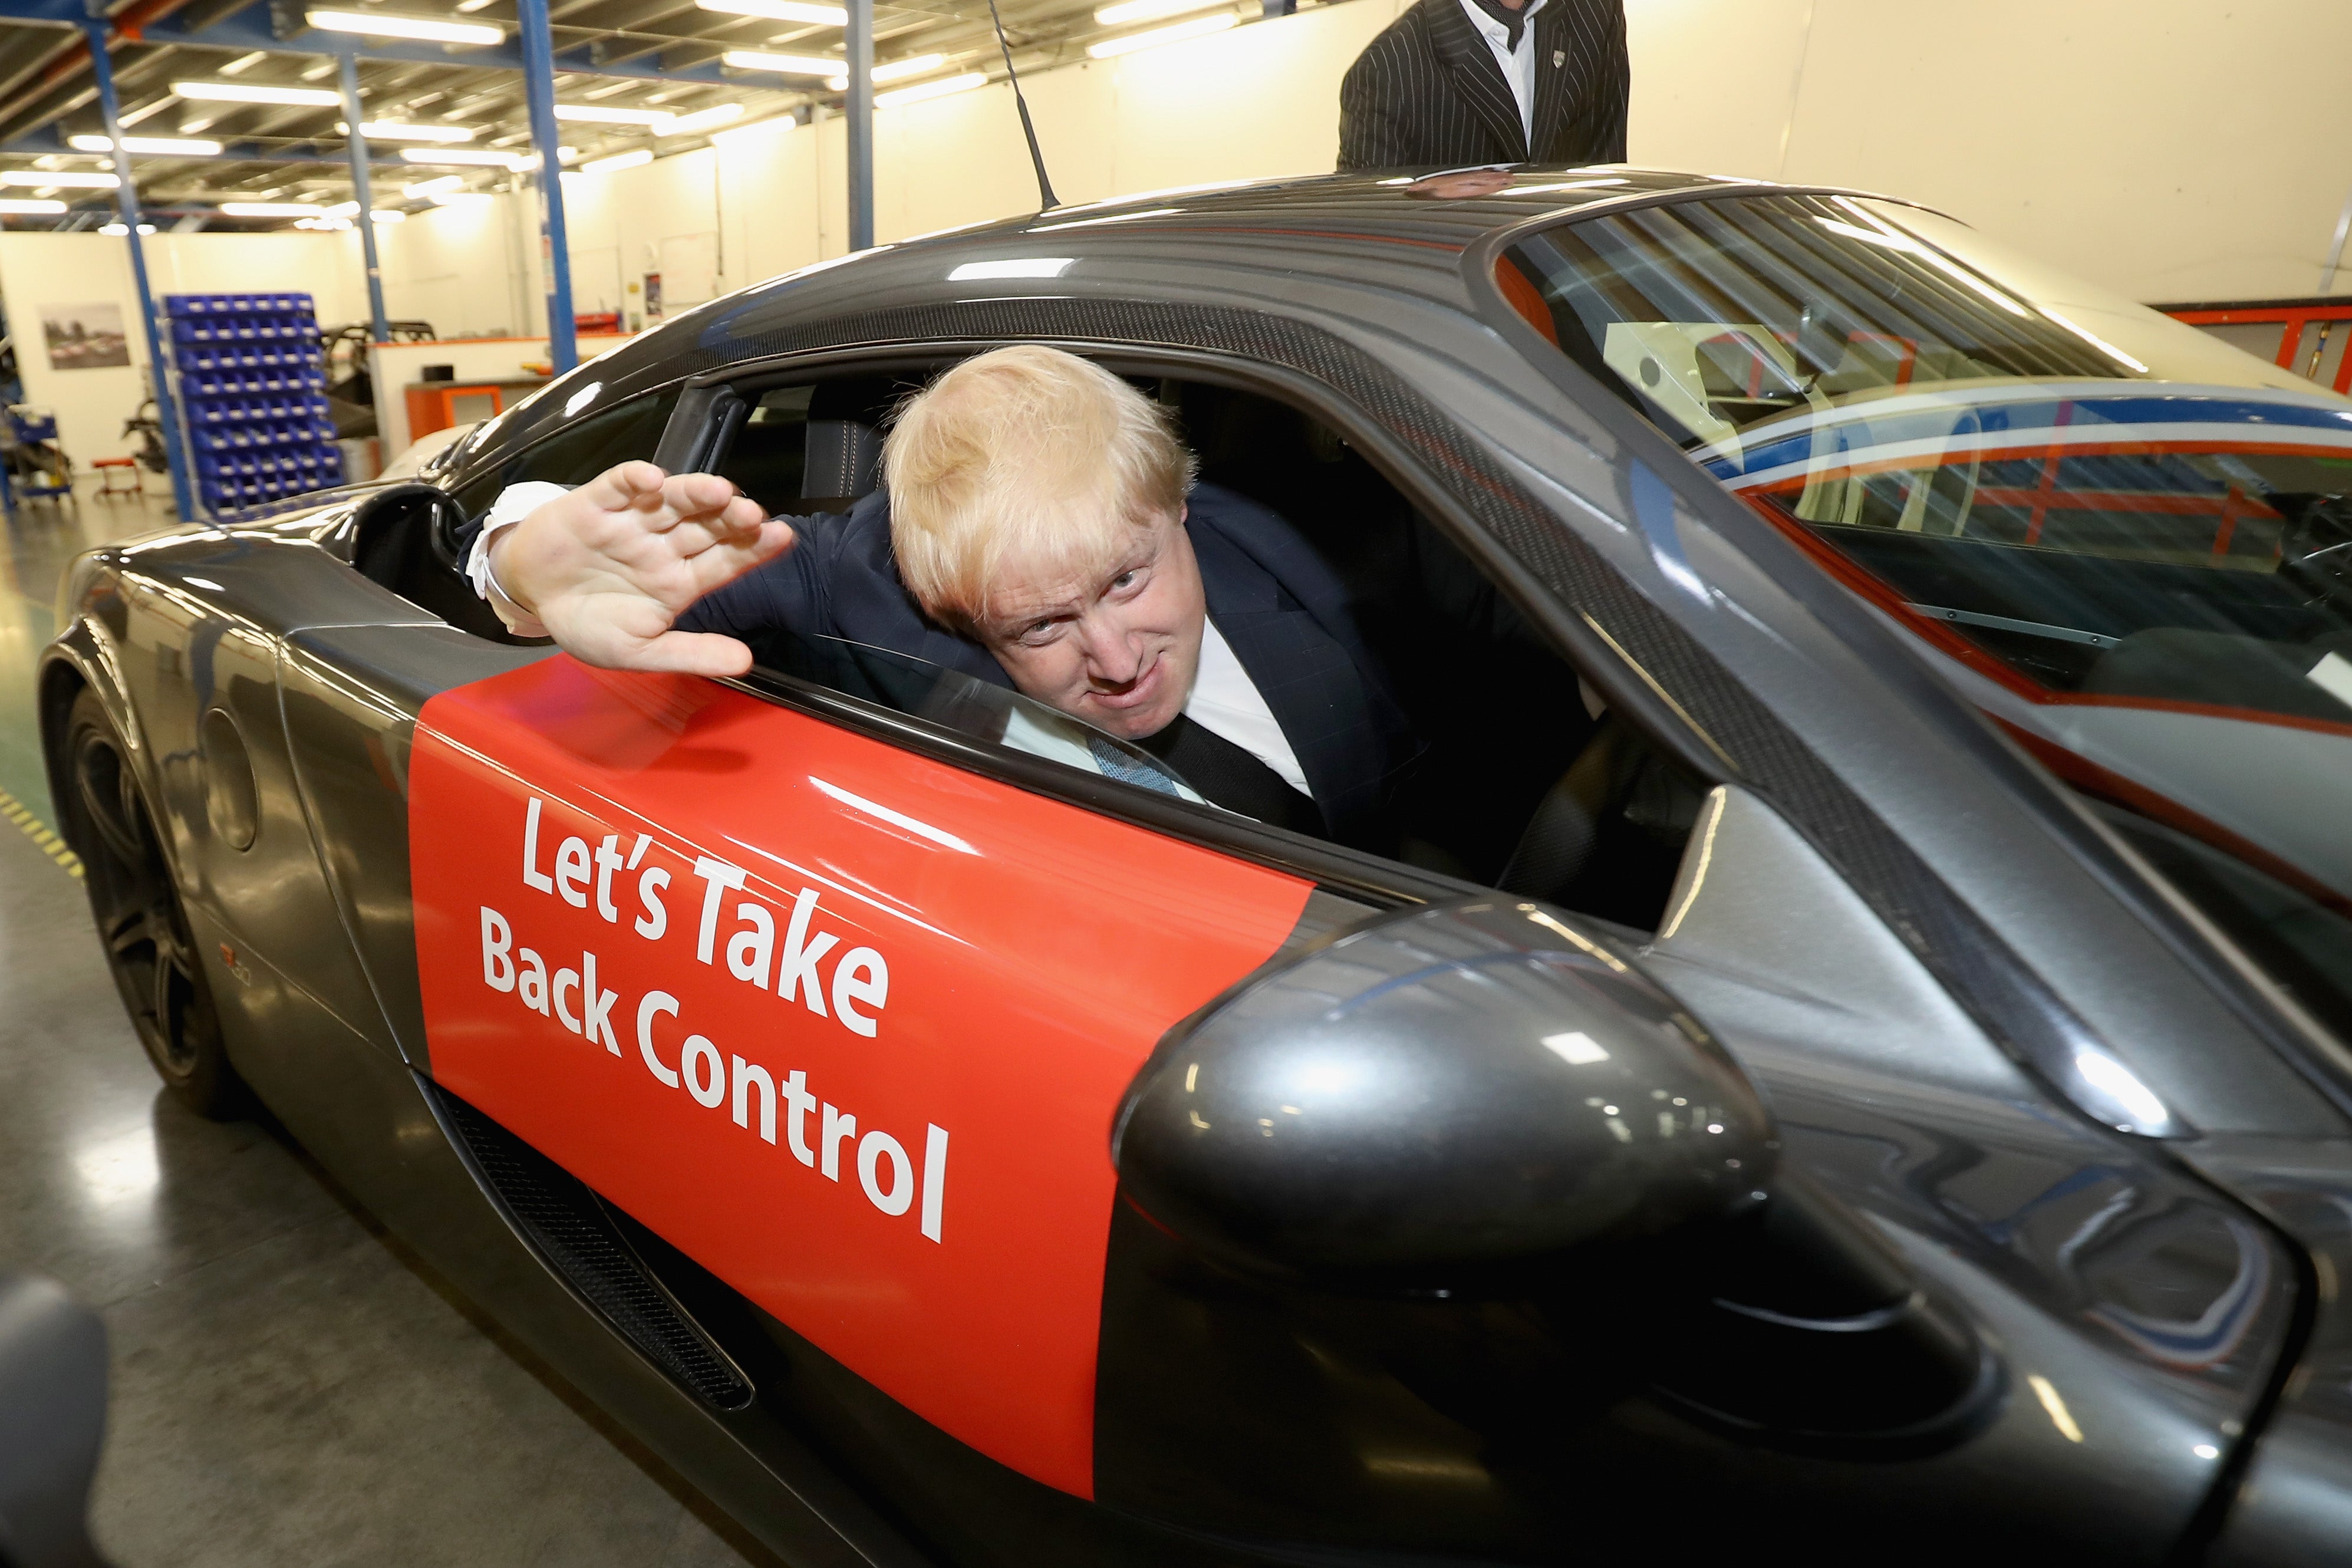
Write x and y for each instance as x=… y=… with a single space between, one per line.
x=461 y=268
x=84 y=268
x=2170 y=150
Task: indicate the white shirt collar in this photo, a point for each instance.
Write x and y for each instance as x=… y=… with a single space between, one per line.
x=1494 y=31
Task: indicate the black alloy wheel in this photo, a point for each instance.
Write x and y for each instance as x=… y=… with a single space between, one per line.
x=154 y=959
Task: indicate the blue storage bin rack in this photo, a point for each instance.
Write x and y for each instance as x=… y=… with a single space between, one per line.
x=253 y=386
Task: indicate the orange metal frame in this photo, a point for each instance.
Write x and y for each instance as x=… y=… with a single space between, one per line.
x=2290 y=316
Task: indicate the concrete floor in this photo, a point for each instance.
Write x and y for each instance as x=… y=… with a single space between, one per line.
x=290 y=1384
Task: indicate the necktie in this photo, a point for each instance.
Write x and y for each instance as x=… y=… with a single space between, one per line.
x=1514 y=21
x=1116 y=764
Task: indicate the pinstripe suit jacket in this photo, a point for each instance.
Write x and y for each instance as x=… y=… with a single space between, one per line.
x=1427 y=93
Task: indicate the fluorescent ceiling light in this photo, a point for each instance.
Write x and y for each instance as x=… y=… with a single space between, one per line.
x=256 y=92
x=312 y=73
x=387 y=215
x=1018 y=266
x=401 y=130
x=703 y=119
x=28 y=205
x=118 y=230
x=1198 y=28
x=784 y=65
x=759 y=130
x=460 y=199
x=528 y=162
x=471 y=5
x=632 y=160
x=238 y=66
x=272 y=209
x=1127 y=13
x=376 y=24
x=59 y=179
x=182 y=146
x=897 y=70
x=474 y=156
x=424 y=188
x=922 y=90
x=780 y=11
x=597 y=114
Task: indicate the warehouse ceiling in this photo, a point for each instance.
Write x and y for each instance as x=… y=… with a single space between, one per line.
x=275 y=152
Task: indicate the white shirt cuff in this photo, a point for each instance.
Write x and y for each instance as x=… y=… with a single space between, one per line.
x=514 y=503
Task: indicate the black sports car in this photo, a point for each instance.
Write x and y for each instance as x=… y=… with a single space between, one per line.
x=1842 y=1041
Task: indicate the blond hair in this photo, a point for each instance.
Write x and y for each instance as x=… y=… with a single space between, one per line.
x=1024 y=458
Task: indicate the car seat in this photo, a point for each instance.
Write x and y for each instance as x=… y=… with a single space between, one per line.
x=843 y=439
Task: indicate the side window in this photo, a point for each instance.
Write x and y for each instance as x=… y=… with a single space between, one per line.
x=970 y=708
x=1490 y=763
x=578 y=452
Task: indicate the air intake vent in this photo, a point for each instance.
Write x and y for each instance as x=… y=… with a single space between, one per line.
x=563 y=1221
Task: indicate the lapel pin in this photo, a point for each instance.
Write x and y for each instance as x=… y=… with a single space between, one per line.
x=1559 y=59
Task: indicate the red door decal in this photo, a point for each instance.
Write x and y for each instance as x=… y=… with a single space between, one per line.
x=844 y=1025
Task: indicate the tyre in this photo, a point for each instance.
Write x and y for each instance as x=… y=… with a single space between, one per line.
x=145 y=932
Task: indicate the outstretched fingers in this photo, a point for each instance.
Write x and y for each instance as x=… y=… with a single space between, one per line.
x=728 y=558
x=625 y=485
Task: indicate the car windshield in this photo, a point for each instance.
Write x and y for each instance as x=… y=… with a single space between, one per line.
x=2129 y=543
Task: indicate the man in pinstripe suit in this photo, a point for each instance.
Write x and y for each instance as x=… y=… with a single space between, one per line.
x=1458 y=83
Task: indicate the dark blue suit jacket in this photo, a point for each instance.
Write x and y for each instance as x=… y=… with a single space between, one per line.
x=1280 y=606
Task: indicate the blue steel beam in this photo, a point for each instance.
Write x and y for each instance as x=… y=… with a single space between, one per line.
x=175 y=455
x=554 y=247
x=365 y=218
x=860 y=41
x=47 y=13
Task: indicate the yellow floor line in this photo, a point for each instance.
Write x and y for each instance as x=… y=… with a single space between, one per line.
x=38 y=831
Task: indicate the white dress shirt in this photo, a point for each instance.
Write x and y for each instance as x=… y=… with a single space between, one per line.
x=514 y=503
x=1519 y=65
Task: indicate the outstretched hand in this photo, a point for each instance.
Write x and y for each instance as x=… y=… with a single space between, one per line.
x=606 y=569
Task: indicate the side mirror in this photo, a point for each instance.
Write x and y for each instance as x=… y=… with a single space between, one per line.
x=1453 y=1090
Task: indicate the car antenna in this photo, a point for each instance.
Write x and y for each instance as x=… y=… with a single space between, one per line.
x=1045 y=196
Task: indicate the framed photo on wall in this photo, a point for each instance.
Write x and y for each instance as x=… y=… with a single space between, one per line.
x=85 y=337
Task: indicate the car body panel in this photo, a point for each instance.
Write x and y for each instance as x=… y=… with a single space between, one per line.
x=997 y=966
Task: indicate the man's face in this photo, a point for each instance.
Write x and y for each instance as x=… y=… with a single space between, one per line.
x=1120 y=652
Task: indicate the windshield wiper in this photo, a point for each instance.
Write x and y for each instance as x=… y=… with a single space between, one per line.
x=2006 y=624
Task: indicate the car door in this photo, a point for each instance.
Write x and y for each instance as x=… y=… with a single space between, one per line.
x=844 y=1023
x=833 y=980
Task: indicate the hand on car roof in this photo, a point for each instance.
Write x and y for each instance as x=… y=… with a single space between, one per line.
x=606 y=569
